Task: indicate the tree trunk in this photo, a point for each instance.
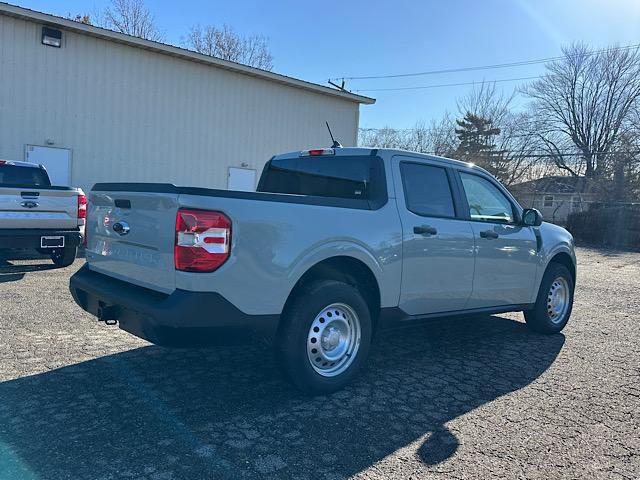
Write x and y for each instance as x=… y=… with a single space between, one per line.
x=618 y=181
x=590 y=172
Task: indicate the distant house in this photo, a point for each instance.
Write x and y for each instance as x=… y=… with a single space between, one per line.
x=556 y=196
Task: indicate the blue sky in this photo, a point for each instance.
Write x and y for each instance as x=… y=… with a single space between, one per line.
x=325 y=39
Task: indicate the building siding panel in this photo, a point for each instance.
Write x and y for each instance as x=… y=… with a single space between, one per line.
x=129 y=114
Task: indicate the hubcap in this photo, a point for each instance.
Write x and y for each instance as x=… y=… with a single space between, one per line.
x=333 y=340
x=558 y=300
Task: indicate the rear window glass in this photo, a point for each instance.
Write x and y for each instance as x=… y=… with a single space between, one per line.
x=324 y=176
x=23 y=176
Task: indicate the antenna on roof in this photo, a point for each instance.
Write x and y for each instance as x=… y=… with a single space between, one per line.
x=339 y=87
x=336 y=144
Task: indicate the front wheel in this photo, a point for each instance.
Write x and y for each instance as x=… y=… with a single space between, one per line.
x=63 y=257
x=555 y=301
x=324 y=337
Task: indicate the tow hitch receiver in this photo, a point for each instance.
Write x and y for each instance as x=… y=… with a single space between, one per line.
x=107 y=313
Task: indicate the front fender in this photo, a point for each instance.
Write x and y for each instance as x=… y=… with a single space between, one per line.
x=555 y=240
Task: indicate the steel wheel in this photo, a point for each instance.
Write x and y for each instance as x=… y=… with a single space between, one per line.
x=558 y=300
x=333 y=340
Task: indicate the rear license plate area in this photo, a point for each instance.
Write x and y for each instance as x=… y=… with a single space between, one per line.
x=52 y=241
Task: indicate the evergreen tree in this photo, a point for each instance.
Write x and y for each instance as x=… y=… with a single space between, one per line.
x=476 y=135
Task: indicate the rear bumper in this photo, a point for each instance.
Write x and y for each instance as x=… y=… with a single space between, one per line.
x=30 y=238
x=182 y=318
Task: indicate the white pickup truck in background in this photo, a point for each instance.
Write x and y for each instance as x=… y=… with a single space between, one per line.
x=36 y=215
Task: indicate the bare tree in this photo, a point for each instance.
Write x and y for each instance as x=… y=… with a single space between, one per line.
x=441 y=136
x=80 y=18
x=485 y=100
x=131 y=17
x=385 y=137
x=436 y=138
x=225 y=43
x=585 y=102
x=512 y=157
x=517 y=147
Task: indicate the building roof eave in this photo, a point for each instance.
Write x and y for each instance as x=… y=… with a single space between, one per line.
x=172 y=50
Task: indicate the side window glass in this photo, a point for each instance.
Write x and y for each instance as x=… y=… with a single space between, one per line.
x=486 y=202
x=426 y=190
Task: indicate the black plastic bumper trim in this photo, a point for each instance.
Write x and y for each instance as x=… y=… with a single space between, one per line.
x=182 y=318
x=30 y=237
x=393 y=317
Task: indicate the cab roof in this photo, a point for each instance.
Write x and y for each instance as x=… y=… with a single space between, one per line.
x=19 y=164
x=353 y=151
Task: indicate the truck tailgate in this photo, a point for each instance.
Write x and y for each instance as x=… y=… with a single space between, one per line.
x=130 y=236
x=42 y=208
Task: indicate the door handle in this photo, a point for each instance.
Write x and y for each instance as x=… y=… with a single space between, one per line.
x=489 y=234
x=425 y=230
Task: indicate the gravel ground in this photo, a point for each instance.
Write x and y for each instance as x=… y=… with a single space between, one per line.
x=481 y=398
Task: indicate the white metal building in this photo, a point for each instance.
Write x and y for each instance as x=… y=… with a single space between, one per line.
x=93 y=105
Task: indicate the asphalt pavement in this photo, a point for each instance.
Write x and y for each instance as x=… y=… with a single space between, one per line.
x=475 y=398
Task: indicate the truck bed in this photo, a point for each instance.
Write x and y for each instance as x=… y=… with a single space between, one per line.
x=275 y=239
x=169 y=188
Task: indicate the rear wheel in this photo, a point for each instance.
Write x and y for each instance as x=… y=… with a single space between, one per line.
x=554 y=303
x=324 y=337
x=63 y=257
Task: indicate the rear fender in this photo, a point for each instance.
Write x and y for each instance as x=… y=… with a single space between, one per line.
x=319 y=253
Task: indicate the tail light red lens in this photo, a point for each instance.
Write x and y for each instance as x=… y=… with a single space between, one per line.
x=82 y=206
x=203 y=240
x=317 y=152
x=82 y=215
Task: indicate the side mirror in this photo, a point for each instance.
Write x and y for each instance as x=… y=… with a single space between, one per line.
x=531 y=217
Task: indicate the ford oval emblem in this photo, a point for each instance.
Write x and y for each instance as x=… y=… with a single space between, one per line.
x=29 y=204
x=121 y=228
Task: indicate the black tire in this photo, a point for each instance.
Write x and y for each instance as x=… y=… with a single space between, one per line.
x=539 y=318
x=63 y=257
x=295 y=331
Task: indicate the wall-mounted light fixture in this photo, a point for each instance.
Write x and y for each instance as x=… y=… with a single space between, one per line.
x=51 y=37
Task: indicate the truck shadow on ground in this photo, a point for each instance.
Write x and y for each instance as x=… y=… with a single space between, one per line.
x=12 y=273
x=227 y=413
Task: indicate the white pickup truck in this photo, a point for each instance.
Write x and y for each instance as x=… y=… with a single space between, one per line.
x=36 y=215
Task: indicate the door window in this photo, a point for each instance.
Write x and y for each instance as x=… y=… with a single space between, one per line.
x=486 y=202
x=427 y=191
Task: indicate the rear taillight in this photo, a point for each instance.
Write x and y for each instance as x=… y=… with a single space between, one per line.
x=203 y=240
x=82 y=215
x=82 y=206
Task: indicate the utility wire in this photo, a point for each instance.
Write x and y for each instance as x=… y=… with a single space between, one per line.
x=423 y=87
x=482 y=67
x=497 y=153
